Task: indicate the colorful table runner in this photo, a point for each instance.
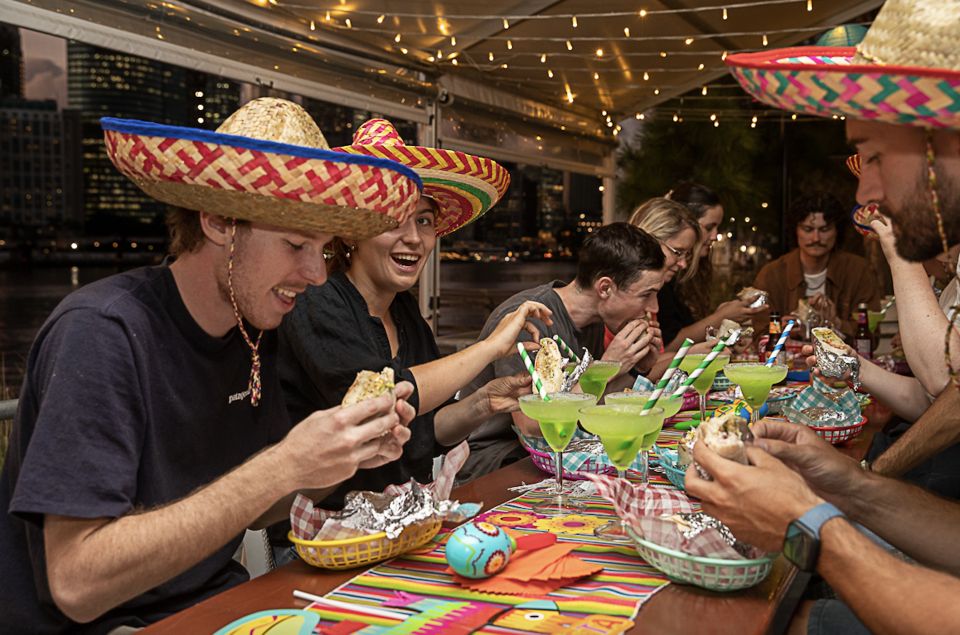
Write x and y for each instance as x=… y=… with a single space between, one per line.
x=625 y=583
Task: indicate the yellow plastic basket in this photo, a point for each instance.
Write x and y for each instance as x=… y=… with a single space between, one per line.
x=363 y=550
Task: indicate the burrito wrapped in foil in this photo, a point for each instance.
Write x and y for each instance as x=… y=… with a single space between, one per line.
x=753 y=297
x=832 y=357
x=374 y=512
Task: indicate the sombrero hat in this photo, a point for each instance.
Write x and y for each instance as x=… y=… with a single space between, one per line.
x=464 y=186
x=268 y=162
x=905 y=71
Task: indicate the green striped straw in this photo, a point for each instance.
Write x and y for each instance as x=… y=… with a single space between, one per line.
x=667 y=374
x=537 y=382
x=566 y=350
x=712 y=355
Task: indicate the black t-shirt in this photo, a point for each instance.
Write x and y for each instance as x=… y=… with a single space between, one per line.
x=673 y=315
x=127 y=404
x=330 y=336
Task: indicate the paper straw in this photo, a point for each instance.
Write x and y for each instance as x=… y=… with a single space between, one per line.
x=348 y=606
x=537 y=382
x=780 y=342
x=667 y=374
x=566 y=350
x=712 y=355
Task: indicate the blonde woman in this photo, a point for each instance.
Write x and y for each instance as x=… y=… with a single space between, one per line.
x=674 y=225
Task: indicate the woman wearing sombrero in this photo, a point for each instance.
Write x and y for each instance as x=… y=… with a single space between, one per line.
x=900 y=93
x=151 y=419
x=364 y=317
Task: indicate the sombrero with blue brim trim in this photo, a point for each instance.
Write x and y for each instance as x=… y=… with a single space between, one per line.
x=906 y=71
x=269 y=163
x=464 y=186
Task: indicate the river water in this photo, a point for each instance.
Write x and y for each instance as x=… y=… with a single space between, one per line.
x=468 y=292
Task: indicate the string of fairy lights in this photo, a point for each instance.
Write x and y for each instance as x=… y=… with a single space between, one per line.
x=454 y=39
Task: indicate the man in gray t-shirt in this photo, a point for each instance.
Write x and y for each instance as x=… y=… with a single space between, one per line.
x=618 y=275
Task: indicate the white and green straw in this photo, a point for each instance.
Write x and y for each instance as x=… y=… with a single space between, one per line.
x=712 y=355
x=537 y=382
x=566 y=350
x=667 y=375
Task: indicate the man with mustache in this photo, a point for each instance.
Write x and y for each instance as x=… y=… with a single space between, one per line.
x=900 y=95
x=834 y=282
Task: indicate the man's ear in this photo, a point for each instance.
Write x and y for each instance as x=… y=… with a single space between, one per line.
x=215 y=228
x=603 y=286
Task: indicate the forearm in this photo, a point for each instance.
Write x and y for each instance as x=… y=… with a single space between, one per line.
x=918 y=523
x=922 y=325
x=696 y=332
x=281 y=509
x=439 y=380
x=904 y=395
x=887 y=594
x=90 y=572
x=455 y=422
x=936 y=430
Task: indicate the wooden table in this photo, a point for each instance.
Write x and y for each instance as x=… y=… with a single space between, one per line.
x=676 y=609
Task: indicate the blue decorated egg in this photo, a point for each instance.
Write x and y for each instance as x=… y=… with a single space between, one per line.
x=478 y=549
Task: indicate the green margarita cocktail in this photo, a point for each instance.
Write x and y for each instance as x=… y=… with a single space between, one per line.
x=557 y=416
x=595 y=378
x=755 y=381
x=702 y=383
x=671 y=405
x=623 y=430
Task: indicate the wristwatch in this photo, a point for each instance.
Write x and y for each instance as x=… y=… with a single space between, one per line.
x=801 y=546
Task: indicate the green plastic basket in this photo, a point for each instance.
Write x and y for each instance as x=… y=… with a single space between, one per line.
x=714 y=574
x=668 y=463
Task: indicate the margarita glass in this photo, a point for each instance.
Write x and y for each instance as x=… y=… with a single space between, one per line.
x=624 y=432
x=755 y=381
x=595 y=378
x=557 y=416
x=671 y=405
x=703 y=382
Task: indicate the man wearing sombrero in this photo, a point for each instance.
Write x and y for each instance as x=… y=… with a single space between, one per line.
x=151 y=429
x=900 y=92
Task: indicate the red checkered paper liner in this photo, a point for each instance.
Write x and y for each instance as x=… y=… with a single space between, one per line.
x=312 y=523
x=646 y=509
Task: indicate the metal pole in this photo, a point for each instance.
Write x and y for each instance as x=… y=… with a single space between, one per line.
x=430 y=277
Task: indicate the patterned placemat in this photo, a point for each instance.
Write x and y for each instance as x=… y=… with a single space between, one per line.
x=422 y=578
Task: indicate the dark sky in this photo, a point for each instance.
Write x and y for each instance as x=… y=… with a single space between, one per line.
x=44 y=66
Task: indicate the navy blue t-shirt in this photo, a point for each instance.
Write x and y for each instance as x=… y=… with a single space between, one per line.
x=127 y=405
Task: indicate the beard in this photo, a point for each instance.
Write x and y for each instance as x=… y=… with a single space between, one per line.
x=915 y=224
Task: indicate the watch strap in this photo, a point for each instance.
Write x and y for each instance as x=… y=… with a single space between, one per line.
x=815 y=517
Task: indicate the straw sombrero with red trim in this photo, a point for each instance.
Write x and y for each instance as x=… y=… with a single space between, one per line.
x=464 y=186
x=268 y=162
x=905 y=71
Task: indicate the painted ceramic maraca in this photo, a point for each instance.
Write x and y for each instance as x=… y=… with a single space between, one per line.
x=479 y=550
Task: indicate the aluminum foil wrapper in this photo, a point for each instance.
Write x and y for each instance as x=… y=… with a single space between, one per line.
x=679 y=376
x=571 y=379
x=825 y=416
x=692 y=524
x=374 y=512
x=761 y=299
x=833 y=364
x=587 y=446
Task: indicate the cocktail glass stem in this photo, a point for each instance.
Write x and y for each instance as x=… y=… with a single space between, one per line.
x=644 y=468
x=558 y=470
x=703 y=406
x=755 y=414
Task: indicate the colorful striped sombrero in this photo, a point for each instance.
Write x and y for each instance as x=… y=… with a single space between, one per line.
x=464 y=186
x=268 y=162
x=905 y=71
